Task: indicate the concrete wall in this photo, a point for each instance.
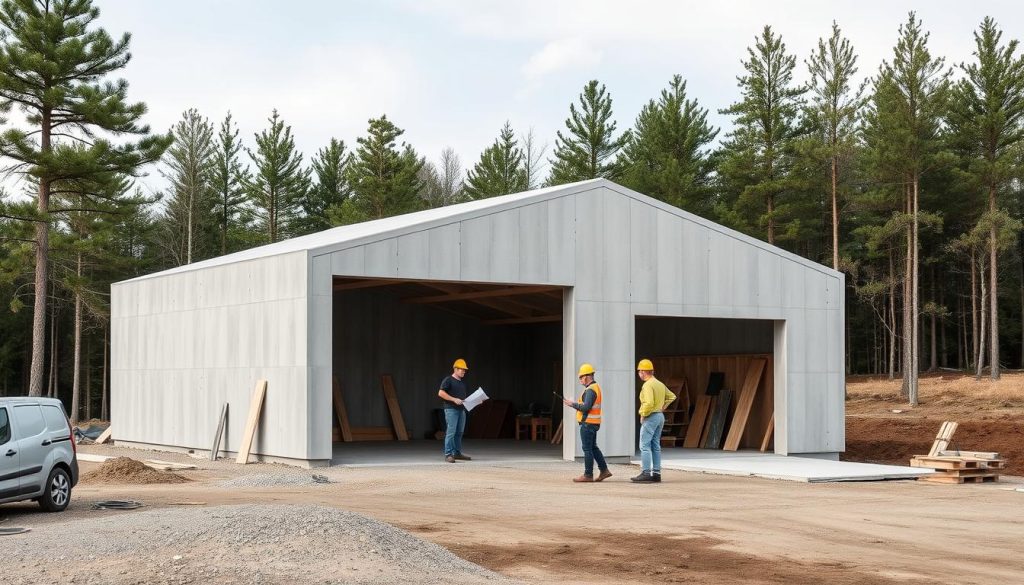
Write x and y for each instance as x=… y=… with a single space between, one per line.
x=375 y=333
x=183 y=344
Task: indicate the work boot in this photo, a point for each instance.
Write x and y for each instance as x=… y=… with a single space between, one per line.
x=656 y=477
x=644 y=477
x=584 y=479
x=449 y=459
x=604 y=475
x=461 y=457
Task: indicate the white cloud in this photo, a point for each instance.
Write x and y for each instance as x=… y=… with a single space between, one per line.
x=561 y=54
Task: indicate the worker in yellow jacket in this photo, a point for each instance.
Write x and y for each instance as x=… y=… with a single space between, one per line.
x=654 y=397
x=588 y=415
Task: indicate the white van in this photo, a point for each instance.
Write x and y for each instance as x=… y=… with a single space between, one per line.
x=38 y=455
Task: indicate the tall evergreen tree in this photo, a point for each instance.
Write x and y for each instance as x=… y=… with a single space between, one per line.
x=53 y=67
x=501 y=169
x=668 y=155
x=986 y=118
x=330 y=189
x=278 y=183
x=384 y=179
x=759 y=154
x=917 y=85
x=589 y=147
x=228 y=181
x=191 y=169
x=834 y=109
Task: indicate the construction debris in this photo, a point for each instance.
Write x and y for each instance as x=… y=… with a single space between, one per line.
x=955 y=466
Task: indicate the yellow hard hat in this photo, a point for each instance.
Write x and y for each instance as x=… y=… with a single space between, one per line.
x=645 y=365
x=586 y=370
x=461 y=364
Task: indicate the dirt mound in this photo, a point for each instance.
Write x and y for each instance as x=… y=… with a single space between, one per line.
x=894 y=440
x=128 y=470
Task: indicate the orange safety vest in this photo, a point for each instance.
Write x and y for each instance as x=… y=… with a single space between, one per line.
x=594 y=416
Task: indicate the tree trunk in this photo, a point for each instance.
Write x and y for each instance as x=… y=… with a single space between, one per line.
x=943 y=357
x=892 y=318
x=88 y=381
x=974 y=309
x=76 y=376
x=993 y=304
x=835 y=214
x=961 y=334
x=51 y=378
x=1020 y=266
x=980 y=363
x=915 y=305
x=934 y=361
x=104 y=400
x=42 y=272
x=907 y=363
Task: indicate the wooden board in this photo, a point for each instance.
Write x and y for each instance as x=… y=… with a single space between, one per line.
x=718 y=420
x=768 y=434
x=340 y=411
x=700 y=414
x=92 y=458
x=706 y=431
x=105 y=435
x=943 y=438
x=168 y=465
x=222 y=421
x=255 y=408
x=970 y=454
x=556 y=439
x=372 y=434
x=388 y=385
x=743 y=404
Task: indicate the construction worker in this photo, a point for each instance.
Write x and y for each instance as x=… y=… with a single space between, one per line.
x=588 y=415
x=654 y=397
x=453 y=392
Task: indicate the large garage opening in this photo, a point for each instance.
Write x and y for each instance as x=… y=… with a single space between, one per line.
x=395 y=340
x=722 y=370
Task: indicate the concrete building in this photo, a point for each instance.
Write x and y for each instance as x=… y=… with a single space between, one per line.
x=525 y=287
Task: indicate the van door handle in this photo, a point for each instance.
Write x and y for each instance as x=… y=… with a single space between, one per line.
x=46 y=442
x=11 y=453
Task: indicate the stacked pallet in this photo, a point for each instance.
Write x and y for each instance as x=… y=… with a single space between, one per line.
x=960 y=466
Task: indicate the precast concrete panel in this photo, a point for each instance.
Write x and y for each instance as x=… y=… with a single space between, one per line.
x=414 y=255
x=668 y=241
x=645 y=261
x=445 y=246
x=534 y=243
x=475 y=250
x=615 y=241
x=563 y=228
x=590 y=260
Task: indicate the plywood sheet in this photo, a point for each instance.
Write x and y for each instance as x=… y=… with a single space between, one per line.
x=255 y=408
x=743 y=403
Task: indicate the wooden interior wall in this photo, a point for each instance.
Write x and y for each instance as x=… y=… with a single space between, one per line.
x=695 y=368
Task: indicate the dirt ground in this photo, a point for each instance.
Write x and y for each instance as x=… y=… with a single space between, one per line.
x=530 y=523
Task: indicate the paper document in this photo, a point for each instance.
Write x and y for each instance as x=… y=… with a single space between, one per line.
x=475 y=399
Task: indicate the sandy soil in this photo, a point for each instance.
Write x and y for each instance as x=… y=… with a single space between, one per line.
x=531 y=523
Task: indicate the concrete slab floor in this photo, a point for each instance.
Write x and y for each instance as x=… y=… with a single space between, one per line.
x=771 y=466
x=423 y=452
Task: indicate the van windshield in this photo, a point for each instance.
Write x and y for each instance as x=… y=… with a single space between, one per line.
x=5 y=427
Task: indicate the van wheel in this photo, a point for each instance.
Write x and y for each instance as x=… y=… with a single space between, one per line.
x=57 y=494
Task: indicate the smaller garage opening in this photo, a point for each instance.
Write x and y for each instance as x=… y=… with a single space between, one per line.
x=723 y=372
x=395 y=340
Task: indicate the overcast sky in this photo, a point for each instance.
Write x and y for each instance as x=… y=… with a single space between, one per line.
x=450 y=73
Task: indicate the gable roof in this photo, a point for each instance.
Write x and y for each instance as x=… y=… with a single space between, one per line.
x=369 y=231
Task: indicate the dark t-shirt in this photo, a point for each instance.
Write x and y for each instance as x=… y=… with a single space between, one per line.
x=455 y=388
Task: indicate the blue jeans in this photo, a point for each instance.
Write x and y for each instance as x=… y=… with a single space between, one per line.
x=455 y=423
x=591 y=452
x=650 y=442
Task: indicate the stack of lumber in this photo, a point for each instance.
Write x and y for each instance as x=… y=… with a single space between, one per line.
x=954 y=466
x=960 y=466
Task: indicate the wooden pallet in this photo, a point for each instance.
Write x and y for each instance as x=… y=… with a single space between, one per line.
x=956 y=463
x=941 y=478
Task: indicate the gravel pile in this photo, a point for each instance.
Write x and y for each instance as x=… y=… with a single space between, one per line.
x=273 y=479
x=232 y=544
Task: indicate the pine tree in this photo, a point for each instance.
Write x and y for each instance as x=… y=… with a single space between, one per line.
x=501 y=169
x=384 y=180
x=278 y=183
x=191 y=163
x=228 y=179
x=986 y=117
x=57 y=79
x=330 y=190
x=668 y=155
x=834 y=108
x=759 y=154
x=589 y=148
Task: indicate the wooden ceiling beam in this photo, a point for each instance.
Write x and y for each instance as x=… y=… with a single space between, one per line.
x=368 y=283
x=479 y=294
x=525 y=320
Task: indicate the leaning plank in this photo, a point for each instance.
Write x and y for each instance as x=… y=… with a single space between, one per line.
x=744 y=403
x=388 y=385
x=255 y=407
x=768 y=434
x=556 y=439
x=944 y=437
x=718 y=419
x=706 y=431
x=700 y=414
x=93 y=458
x=340 y=411
x=105 y=435
x=167 y=465
x=215 y=450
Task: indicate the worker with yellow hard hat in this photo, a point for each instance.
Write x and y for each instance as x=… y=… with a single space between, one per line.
x=453 y=391
x=654 y=397
x=588 y=416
